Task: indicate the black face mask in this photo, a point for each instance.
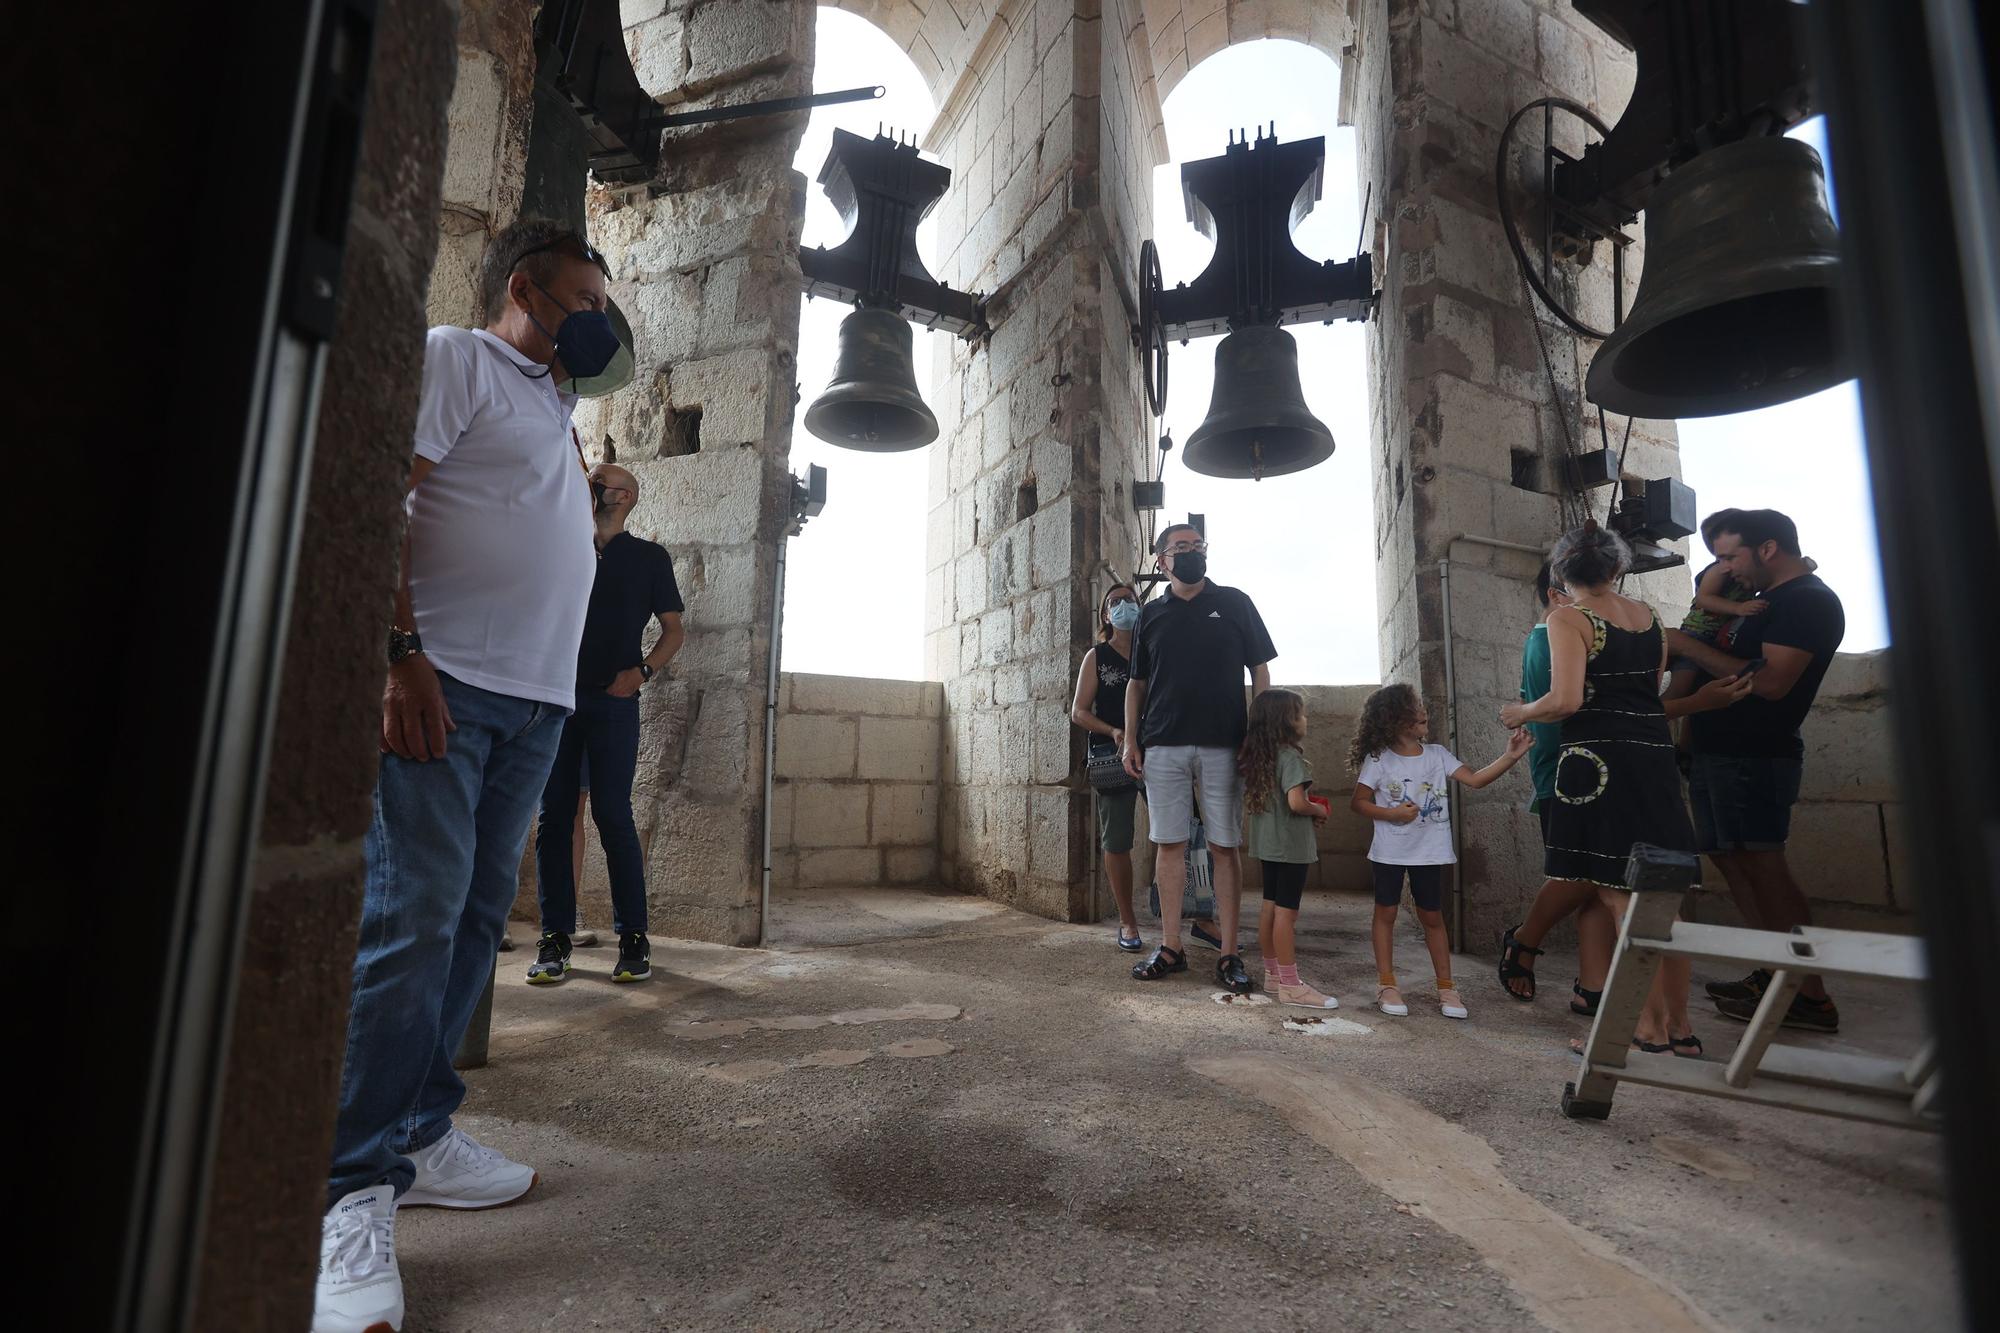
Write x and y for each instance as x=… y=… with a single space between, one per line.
x=1191 y=566
x=597 y=490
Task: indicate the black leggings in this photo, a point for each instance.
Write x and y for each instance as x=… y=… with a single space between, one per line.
x=1426 y=885
x=1284 y=881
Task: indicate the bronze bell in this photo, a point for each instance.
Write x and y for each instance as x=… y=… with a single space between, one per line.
x=872 y=402
x=1736 y=308
x=1257 y=424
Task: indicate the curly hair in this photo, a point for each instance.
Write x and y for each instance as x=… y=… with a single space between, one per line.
x=1385 y=715
x=1277 y=719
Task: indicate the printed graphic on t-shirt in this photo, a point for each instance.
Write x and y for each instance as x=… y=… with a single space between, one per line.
x=1421 y=780
x=1432 y=807
x=1108 y=675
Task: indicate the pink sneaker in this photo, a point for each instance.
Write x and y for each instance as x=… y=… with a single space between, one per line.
x=1305 y=997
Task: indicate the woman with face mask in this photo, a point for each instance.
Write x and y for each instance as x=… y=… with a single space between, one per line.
x=1099 y=708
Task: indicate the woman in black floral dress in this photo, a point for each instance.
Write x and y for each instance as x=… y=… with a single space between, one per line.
x=1616 y=779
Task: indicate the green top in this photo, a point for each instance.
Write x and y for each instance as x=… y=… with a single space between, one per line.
x=1276 y=834
x=1704 y=624
x=1548 y=735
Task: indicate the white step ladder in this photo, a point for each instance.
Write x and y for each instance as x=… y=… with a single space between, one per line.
x=1851 y=1087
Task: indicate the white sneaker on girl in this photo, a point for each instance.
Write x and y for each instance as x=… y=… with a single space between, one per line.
x=1305 y=997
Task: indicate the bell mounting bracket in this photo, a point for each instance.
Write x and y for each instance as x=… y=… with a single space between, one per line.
x=1247 y=201
x=1710 y=72
x=1566 y=232
x=883 y=188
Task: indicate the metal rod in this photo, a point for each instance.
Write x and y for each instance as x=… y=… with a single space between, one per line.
x=770 y=107
x=771 y=734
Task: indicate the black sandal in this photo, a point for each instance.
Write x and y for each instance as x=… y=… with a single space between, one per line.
x=1591 y=999
x=1689 y=1046
x=1652 y=1047
x=1157 y=966
x=1510 y=970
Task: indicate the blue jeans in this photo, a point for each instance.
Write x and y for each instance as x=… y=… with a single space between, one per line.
x=444 y=859
x=603 y=734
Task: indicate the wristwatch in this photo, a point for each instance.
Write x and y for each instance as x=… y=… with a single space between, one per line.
x=645 y=672
x=403 y=643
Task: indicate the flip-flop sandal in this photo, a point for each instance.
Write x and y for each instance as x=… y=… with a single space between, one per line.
x=1510 y=970
x=1688 y=1047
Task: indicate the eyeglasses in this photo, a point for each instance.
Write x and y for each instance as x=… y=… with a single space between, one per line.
x=578 y=247
x=1187 y=548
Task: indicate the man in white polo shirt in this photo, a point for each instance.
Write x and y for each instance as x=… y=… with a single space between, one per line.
x=498 y=561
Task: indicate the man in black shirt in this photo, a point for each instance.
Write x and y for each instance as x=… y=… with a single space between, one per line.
x=1188 y=658
x=1747 y=759
x=635 y=582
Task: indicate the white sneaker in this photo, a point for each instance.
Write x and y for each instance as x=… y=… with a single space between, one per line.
x=360 y=1289
x=458 y=1171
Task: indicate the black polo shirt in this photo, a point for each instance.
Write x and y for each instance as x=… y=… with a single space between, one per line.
x=1192 y=655
x=1805 y=614
x=635 y=582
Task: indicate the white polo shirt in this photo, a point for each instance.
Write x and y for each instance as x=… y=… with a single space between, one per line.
x=501 y=549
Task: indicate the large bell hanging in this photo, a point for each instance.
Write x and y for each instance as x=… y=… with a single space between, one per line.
x=872 y=402
x=1257 y=424
x=1736 y=308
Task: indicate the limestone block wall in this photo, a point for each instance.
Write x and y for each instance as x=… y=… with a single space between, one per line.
x=486 y=149
x=289 y=1025
x=1012 y=540
x=1477 y=395
x=858 y=778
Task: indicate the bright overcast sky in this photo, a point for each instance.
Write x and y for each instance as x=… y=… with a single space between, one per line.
x=1300 y=545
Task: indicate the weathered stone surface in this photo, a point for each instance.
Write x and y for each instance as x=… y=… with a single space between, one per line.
x=817 y=747
x=902 y=748
x=828 y=814
x=840 y=867
x=902 y=815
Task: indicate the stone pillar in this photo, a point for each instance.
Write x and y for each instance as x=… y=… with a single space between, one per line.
x=706 y=266
x=1469 y=429
x=491 y=106
x=1016 y=528
x=275 y=1136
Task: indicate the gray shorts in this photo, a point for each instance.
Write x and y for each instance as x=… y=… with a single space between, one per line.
x=1174 y=773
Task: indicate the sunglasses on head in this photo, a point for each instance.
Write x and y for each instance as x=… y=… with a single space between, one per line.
x=572 y=244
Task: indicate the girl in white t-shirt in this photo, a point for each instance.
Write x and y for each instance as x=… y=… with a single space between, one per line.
x=1400 y=783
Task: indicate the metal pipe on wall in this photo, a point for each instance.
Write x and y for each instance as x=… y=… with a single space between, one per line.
x=1451 y=715
x=771 y=736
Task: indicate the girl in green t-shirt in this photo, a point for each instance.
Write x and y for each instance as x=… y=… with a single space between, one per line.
x=1282 y=834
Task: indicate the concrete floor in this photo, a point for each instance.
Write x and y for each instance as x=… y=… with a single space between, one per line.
x=925 y=1111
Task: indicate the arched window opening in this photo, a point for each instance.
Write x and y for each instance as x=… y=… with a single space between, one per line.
x=854 y=582
x=1302 y=545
